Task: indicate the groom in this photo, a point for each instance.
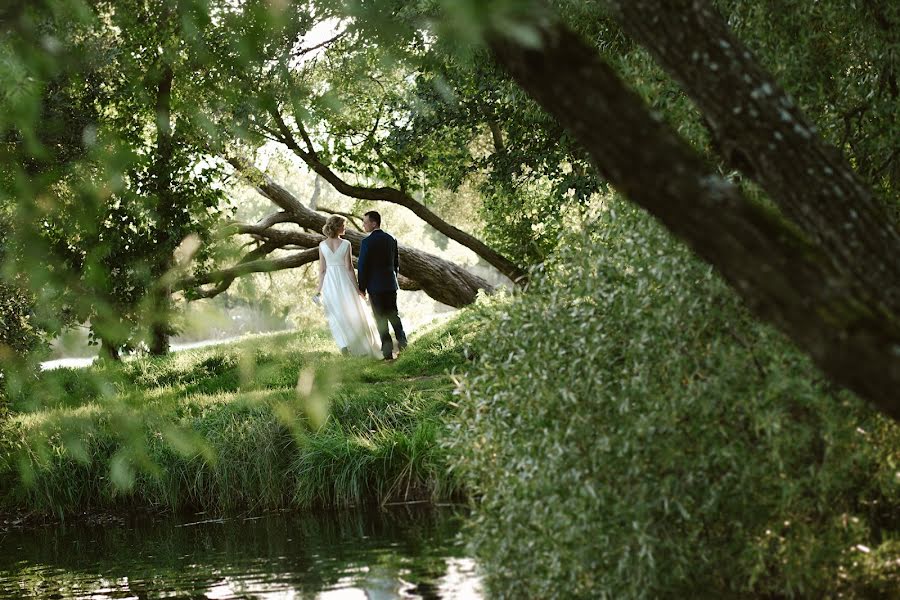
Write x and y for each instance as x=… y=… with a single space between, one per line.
x=378 y=265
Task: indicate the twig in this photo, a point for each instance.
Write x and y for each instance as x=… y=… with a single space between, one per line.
x=303 y=51
x=350 y=217
x=741 y=342
x=202 y=522
x=405 y=502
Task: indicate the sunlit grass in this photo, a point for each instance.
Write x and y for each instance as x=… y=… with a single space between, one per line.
x=225 y=427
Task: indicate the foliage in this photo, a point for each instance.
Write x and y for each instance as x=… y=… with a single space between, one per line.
x=842 y=67
x=225 y=427
x=103 y=167
x=400 y=96
x=465 y=121
x=629 y=431
x=20 y=335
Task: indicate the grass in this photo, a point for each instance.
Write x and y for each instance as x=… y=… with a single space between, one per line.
x=269 y=421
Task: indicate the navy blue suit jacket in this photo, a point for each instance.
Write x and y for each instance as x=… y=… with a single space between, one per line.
x=378 y=263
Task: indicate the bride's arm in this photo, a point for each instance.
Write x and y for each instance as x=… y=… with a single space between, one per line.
x=321 y=271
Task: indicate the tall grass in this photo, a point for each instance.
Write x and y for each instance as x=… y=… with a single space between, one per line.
x=228 y=428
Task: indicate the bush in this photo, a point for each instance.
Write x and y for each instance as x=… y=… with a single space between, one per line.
x=630 y=431
x=18 y=335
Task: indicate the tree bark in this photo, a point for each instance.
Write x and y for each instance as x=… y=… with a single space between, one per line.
x=109 y=350
x=756 y=122
x=161 y=294
x=442 y=280
x=782 y=276
x=496 y=135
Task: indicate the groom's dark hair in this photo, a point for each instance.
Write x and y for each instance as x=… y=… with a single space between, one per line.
x=374 y=217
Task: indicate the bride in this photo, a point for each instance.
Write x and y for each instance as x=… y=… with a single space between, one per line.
x=349 y=319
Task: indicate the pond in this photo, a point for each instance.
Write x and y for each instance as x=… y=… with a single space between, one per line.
x=397 y=552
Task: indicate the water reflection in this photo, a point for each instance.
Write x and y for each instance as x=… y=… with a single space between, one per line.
x=396 y=553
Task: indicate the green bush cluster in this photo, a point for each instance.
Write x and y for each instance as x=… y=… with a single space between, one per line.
x=630 y=431
x=18 y=337
x=18 y=333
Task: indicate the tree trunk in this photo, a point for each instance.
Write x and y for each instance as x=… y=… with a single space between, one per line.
x=161 y=294
x=782 y=276
x=222 y=279
x=160 y=328
x=763 y=133
x=109 y=350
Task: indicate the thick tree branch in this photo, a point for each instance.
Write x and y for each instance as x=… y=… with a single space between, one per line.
x=280 y=238
x=784 y=278
x=813 y=185
x=225 y=277
x=395 y=196
x=251 y=263
x=274 y=218
x=355 y=220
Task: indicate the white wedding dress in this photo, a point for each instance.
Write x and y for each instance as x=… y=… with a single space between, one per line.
x=349 y=318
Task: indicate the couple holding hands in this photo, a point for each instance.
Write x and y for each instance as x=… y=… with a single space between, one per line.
x=343 y=296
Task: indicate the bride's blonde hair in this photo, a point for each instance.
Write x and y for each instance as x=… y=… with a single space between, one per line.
x=333 y=225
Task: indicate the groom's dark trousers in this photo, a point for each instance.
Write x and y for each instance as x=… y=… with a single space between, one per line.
x=378 y=265
x=384 y=306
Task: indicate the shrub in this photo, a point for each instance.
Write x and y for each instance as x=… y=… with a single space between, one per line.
x=18 y=336
x=630 y=431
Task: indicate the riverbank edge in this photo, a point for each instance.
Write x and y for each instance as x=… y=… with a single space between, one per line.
x=381 y=444
x=22 y=520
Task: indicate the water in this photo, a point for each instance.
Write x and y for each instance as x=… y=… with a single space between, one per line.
x=82 y=362
x=405 y=552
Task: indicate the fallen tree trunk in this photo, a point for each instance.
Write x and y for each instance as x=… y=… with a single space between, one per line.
x=223 y=278
x=442 y=280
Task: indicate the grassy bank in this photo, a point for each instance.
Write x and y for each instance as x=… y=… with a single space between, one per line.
x=270 y=421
